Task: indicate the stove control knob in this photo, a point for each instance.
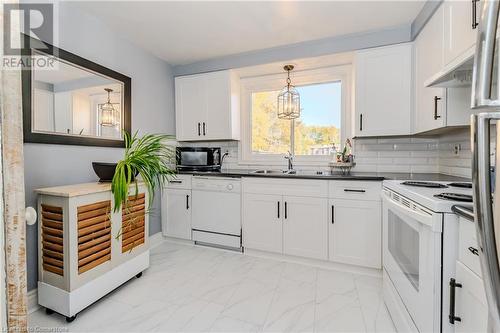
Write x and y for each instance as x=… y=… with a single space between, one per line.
x=230 y=187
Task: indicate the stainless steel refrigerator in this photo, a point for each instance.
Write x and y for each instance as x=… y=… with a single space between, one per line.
x=486 y=99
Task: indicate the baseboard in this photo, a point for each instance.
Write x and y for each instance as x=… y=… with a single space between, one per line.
x=178 y=240
x=315 y=262
x=33 y=300
x=156 y=239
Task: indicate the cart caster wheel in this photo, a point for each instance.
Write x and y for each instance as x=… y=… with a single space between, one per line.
x=49 y=311
x=139 y=275
x=70 y=319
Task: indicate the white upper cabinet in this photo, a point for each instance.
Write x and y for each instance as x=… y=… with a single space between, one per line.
x=460 y=27
x=430 y=103
x=207 y=106
x=383 y=99
x=190 y=110
x=436 y=107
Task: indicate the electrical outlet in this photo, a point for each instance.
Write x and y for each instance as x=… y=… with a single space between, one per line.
x=456 y=149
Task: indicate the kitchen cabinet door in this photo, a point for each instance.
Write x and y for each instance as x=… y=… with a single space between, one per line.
x=262 y=222
x=207 y=106
x=470 y=302
x=383 y=101
x=459 y=34
x=176 y=213
x=430 y=103
x=190 y=107
x=355 y=232
x=222 y=106
x=305 y=227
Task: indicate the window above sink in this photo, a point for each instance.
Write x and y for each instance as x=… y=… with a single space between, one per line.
x=315 y=136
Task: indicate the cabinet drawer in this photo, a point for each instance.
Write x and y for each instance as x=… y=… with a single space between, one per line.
x=289 y=187
x=180 y=181
x=358 y=190
x=467 y=246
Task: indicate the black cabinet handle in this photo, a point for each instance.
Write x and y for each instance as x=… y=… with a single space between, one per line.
x=278 y=209
x=204 y=132
x=361 y=122
x=333 y=214
x=175 y=181
x=475 y=24
x=436 y=99
x=473 y=250
x=452 y=318
x=187 y=201
x=351 y=190
x=286 y=211
x=199 y=129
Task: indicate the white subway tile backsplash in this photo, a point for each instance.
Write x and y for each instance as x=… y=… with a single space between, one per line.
x=426 y=153
x=393 y=168
x=394 y=140
x=411 y=146
x=429 y=168
x=417 y=155
x=394 y=154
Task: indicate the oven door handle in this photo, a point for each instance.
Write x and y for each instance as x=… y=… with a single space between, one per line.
x=421 y=217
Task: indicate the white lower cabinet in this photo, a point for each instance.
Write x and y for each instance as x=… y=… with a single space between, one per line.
x=305 y=233
x=470 y=308
x=286 y=216
x=176 y=217
x=355 y=232
x=294 y=217
x=262 y=226
x=470 y=302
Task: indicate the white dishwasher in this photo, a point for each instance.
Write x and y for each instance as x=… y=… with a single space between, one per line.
x=216 y=212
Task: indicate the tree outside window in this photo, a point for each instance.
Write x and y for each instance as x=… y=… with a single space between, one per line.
x=316 y=132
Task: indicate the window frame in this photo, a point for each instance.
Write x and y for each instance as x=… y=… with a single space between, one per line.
x=251 y=85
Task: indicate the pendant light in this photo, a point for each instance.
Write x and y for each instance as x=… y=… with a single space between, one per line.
x=108 y=112
x=288 y=99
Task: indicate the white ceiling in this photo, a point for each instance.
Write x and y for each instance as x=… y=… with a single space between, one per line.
x=190 y=31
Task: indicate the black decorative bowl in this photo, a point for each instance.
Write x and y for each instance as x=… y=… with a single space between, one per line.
x=105 y=171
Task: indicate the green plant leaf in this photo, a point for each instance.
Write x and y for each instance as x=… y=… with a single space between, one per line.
x=151 y=158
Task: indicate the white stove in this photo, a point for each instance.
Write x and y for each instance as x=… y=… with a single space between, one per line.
x=429 y=198
x=420 y=234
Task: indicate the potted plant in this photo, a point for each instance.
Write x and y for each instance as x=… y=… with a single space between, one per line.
x=149 y=157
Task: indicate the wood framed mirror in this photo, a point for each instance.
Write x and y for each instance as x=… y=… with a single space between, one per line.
x=71 y=100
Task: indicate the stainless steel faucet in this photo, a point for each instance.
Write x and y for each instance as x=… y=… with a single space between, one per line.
x=289 y=157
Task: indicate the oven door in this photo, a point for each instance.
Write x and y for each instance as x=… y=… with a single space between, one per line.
x=412 y=259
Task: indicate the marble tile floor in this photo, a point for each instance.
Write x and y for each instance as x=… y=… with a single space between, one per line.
x=199 y=289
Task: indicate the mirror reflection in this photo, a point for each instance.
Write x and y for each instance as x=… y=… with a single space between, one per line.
x=74 y=101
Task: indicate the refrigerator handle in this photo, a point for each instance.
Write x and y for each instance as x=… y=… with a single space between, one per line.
x=484 y=56
x=483 y=208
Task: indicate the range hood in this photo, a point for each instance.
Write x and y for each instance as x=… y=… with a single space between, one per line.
x=457 y=73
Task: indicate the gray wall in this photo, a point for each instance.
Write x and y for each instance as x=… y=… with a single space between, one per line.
x=152 y=112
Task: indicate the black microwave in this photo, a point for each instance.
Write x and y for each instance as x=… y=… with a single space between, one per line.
x=198 y=159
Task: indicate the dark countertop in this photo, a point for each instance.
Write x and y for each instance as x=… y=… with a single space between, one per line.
x=335 y=176
x=466 y=212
